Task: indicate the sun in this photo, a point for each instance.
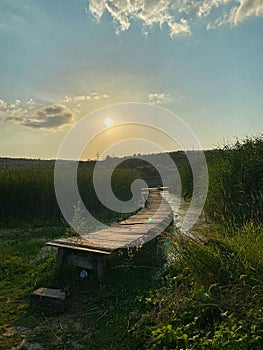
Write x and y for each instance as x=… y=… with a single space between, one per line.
x=108 y=121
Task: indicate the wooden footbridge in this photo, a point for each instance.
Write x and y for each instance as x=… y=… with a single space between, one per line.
x=90 y=250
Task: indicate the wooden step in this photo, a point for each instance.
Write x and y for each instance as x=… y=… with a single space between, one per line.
x=54 y=298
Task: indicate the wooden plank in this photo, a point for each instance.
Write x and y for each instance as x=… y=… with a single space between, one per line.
x=99 y=247
x=102 y=244
x=116 y=230
x=65 y=244
x=151 y=189
x=139 y=222
x=147 y=217
x=127 y=231
x=50 y=293
x=115 y=243
x=54 y=298
x=122 y=239
x=155 y=208
x=115 y=238
x=145 y=222
x=162 y=211
x=120 y=230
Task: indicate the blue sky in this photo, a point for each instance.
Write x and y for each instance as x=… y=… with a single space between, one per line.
x=60 y=60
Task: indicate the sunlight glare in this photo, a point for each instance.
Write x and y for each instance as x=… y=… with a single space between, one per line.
x=108 y=121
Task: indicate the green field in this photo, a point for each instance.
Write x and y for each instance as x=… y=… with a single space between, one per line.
x=187 y=296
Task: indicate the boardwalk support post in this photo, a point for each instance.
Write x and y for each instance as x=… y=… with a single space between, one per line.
x=100 y=267
x=60 y=257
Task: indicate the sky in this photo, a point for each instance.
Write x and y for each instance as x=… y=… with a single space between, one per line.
x=62 y=60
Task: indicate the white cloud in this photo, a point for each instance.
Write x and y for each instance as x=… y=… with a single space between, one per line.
x=206 y=6
x=175 y=15
x=12 y=105
x=30 y=113
x=184 y=6
x=246 y=8
x=82 y=98
x=66 y=99
x=51 y=117
x=238 y=13
x=159 y=98
x=149 y=12
x=2 y=104
x=30 y=101
x=97 y=8
x=180 y=27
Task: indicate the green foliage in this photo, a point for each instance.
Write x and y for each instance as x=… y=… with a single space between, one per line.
x=96 y=316
x=210 y=298
x=236 y=182
x=207 y=296
x=24 y=265
x=28 y=192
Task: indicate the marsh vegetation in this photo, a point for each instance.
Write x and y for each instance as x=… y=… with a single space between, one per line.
x=209 y=296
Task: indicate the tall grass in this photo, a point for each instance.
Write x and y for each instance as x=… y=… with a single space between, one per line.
x=211 y=296
x=236 y=183
x=28 y=192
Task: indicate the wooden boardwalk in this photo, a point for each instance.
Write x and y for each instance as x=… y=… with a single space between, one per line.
x=89 y=251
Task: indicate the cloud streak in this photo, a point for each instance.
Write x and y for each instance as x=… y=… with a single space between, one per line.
x=175 y=15
x=159 y=98
x=237 y=14
x=83 y=98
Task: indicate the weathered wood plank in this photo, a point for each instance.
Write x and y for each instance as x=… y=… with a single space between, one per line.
x=54 y=298
x=65 y=244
